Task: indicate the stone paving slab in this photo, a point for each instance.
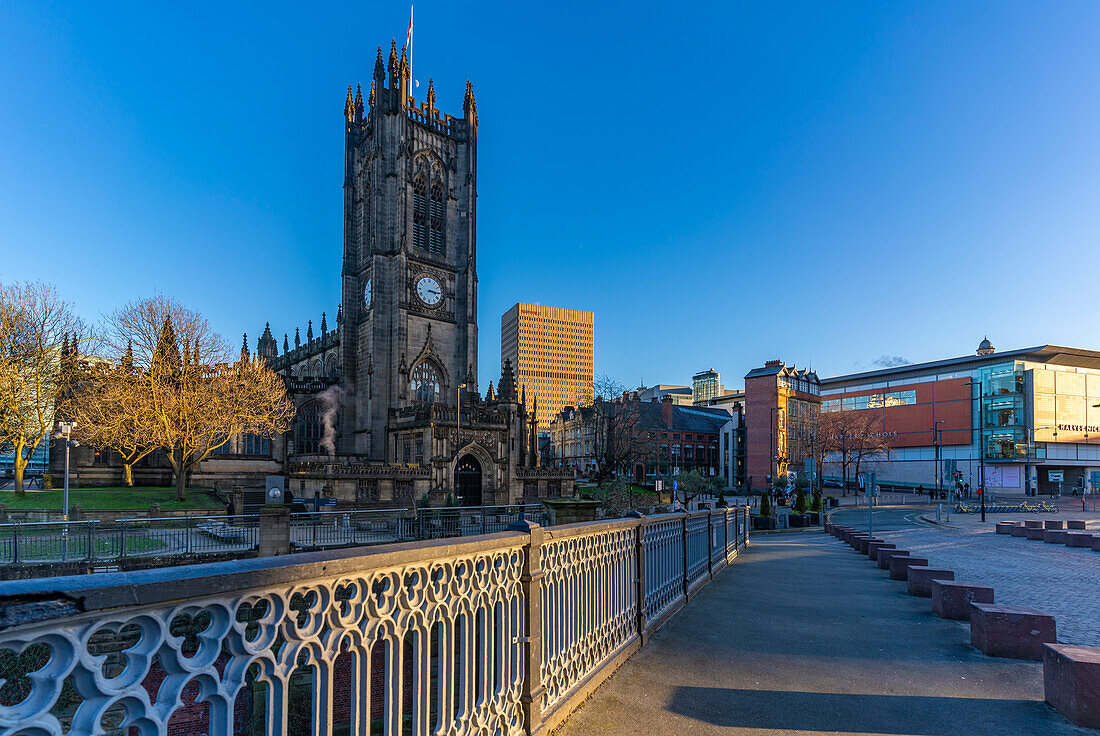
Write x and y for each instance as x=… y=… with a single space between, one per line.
x=801 y=636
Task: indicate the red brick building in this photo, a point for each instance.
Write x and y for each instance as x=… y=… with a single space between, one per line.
x=781 y=408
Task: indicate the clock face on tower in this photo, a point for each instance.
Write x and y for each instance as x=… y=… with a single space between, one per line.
x=429 y=291
x=367 y=294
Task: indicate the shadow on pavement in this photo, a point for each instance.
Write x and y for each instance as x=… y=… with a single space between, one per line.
x=843 y=712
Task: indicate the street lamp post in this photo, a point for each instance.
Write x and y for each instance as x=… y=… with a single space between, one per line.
x=937 y=437
x=1092 y=488
x=64 y=433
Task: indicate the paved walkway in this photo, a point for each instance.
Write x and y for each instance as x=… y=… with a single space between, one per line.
x=803 y=636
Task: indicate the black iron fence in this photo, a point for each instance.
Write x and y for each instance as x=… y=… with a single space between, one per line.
x=109 y=542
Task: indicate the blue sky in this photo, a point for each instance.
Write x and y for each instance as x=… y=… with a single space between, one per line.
x=833 y=184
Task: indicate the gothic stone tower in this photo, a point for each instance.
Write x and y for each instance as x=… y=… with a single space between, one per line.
x=409 y=281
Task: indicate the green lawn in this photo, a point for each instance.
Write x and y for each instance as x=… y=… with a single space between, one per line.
x=587 y=490
x=114 y=499
x=48 y=547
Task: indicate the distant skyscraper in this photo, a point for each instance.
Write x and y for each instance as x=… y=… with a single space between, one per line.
x=705 y=386
x=551 y=348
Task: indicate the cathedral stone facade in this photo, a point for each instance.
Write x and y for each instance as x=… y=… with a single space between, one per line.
x=388 y=406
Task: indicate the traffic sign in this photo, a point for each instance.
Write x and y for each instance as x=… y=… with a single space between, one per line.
x=1056 y=476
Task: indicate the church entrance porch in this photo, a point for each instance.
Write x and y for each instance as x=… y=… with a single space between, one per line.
x=468 y=481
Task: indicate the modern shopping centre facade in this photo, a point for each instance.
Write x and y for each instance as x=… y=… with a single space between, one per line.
x=1035 y=412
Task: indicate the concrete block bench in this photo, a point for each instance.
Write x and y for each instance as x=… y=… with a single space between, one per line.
x=1035 y=532
x=1071 y=682
x=1054 y=536
x=1096 y=542
x=1006 y=527
x=899 y=566
x=952 y=598
x=884 y=556
x=1054 y=524
x=1079 y=539
x=1019 y=531
x=1034 y=523
x=1016 y=632
x=874 y=547
x=1076 y=524
x=854 y=539
x=921 y=577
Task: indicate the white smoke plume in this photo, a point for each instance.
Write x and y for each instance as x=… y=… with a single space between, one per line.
x=330 y=399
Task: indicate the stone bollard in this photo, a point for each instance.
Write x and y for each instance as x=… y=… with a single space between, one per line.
x=874 y=547
x=900 y=564
x=921 y=577
x=1071 y=682
x=1016 y=632
x=952 y=598
x=1079 y=539
x=886 y=555
x=274 y=531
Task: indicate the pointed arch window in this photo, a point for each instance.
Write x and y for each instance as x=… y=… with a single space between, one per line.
x=308 y=432
x=437 y=245
x=426 y=383
x=420 y=213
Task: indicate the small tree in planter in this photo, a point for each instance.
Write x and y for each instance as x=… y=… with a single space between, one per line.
x=800 y=502
x=815 y=504
x=764 y=520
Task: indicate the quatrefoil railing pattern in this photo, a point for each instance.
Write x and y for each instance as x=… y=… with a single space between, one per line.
x=472 y=603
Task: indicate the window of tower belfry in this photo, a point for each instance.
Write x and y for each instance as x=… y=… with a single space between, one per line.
x=420 y=213
x=437 y=219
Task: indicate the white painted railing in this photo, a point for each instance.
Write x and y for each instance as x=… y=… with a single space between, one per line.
x=503 y=633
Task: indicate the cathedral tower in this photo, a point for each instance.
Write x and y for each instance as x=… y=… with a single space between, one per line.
x=409 y=280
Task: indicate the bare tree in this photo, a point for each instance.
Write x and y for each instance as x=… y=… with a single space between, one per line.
x=618 y=436
x=851 y=437
x=873 y=445
x=190 y=394
x=35 y=324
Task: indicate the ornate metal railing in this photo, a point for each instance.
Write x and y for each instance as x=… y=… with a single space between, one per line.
x=502 y=633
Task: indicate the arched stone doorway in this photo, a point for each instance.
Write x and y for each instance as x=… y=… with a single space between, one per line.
x=468 y=481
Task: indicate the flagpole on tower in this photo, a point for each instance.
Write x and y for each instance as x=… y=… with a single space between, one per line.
x=409 y=43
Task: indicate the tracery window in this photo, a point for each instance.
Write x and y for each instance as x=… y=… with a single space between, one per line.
x=420 y=213
x=426 y=383
x=254 y=444
x=308 y=433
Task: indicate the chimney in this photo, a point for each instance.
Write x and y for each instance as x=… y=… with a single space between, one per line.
x=666 y=409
